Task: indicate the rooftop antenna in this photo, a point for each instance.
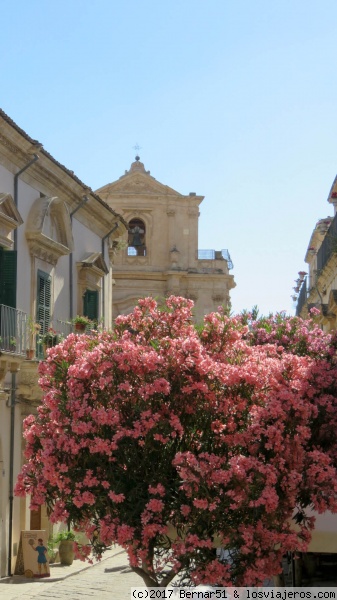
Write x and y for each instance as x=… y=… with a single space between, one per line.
x=137 y=148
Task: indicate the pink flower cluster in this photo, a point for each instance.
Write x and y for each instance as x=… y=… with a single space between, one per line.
x=170 y=439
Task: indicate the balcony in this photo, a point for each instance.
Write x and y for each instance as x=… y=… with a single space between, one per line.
x=216 y=255
x=328 y=246
x=15 y=335
x=13 y=330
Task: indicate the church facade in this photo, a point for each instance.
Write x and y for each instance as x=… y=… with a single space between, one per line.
x=160 y=256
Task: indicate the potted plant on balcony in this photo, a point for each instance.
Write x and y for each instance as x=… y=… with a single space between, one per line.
x=33 y=329
x=80 y=323
x=66 y=540
x=12 y=344
x=49 y=339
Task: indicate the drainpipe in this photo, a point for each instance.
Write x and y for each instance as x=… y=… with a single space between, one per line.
x=11 y=470
x=16 y=191
x=12 y=396
x=71 y=287
x=103 y=282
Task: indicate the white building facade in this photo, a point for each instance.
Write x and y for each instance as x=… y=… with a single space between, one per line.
x=55 y=263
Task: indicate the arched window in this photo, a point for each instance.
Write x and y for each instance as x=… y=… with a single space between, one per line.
x=137 y=238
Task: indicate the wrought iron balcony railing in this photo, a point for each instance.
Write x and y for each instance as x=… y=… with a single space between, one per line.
x=57 y=332
x=13 y=330
x=15 y=335
x=64 y=328
x=328 y=246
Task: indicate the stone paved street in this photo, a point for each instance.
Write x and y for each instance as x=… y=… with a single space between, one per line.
x=111 y=579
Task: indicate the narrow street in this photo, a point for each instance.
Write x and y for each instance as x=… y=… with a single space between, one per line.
x=111 y=579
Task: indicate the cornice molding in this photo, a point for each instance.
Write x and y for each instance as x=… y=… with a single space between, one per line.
x=5 y=142
x=46 y=249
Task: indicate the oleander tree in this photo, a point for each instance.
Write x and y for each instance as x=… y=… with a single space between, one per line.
x=170 y=439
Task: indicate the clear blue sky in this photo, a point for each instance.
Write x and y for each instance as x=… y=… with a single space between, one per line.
x=232 y=99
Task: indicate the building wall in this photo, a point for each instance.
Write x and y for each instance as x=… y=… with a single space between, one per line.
x=319 y=289
x=7 y=182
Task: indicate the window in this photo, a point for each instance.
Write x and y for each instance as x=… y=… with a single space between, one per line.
x=8 y=264
x=43 y=305
x=8 y=314
x=137 y=238
x=90 y=304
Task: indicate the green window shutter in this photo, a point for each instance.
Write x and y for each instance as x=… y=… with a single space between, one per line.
x=43 y=301
x=90 y=305
x=8 y=270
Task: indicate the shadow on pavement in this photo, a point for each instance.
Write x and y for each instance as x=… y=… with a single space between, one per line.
x=114 y=569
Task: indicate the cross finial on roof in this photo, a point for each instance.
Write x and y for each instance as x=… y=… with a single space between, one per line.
x=137 y=148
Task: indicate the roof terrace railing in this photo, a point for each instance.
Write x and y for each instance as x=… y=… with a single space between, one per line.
x=216 y=255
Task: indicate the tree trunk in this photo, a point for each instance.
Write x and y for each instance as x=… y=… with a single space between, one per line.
x=149 y=582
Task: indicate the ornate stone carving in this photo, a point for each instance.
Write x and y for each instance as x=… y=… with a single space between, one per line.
x=28 y=386
x=193 y=211
x=218 y=297
x=139 y=187
x=137 y=260
x=8 y=144
x=137 y=180
x=192 y=295
x=43 y=253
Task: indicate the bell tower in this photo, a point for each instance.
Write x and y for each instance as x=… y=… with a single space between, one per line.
x=161 y=255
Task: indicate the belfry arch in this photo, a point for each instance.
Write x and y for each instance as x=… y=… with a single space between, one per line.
x=137 y=237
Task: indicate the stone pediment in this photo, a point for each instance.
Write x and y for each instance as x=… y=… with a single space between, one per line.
x=48 y=229
x=136 y=181
x=10 y=219
x=90 y=270
x=136 y=184
x=94 y=261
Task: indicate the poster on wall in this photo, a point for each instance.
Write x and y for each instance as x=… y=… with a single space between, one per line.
x=32 y=560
